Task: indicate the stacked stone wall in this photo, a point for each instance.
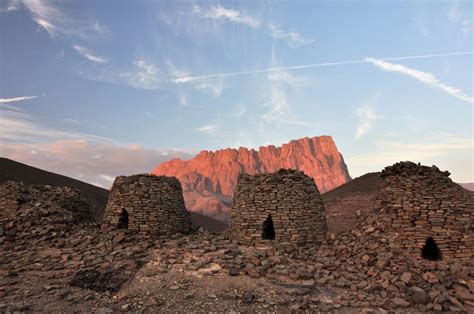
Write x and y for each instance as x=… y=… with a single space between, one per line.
x=154 y=204
x=418 y=202
x=12 y=195
x=289 y=196
x=40 y=211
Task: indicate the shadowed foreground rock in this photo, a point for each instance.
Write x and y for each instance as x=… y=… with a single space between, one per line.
x=110 y=280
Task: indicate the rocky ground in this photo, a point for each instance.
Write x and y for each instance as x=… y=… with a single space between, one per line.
x=205 y=272
x=52 y=260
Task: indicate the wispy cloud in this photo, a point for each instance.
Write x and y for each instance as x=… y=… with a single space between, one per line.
x=51 y=18
x=142 y=75
x=15 y=99
x=218 y=12
x=279 y=83
x=10 y=6
x=388 y=152
x=424 y=77
x=293 y=39
x=96 y=162
x=213 y=86
x=239 y=111
x=366 y=117
x=421 y=26
x=100 y=28
x=183 y=99
x=91 y=158
x=185 y=79
x=444 y=150
x=151 y=116
x=285 y=77
x=88 y=54
x=463 y=19
x=148 y=75
x=19 y=126
x=208 y=129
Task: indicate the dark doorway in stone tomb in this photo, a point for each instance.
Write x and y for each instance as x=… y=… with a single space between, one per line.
x=268 y=231
x=431 y=250
x=123 y=220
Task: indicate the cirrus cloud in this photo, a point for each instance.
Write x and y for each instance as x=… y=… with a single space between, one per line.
x=88 y=54
x=424 y=77
x=97 y=163
x=91 y=158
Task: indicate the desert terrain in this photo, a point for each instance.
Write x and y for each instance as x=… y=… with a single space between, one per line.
x=52 y=248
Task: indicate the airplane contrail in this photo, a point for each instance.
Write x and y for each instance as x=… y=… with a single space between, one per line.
x=7 y=100
x=187 y=79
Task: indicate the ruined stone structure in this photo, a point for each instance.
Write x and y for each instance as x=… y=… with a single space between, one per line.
x=430 y=215
x=284 y=206
x=34 y=211
x=150 y=205
x=12 y=195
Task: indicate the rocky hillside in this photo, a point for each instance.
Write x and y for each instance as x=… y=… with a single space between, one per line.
x=209 y=179
x=95 y=196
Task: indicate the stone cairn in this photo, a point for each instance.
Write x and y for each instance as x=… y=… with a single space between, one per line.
x=284 y=206
x=148 y=204
x=424 y=207
x=12 y=195
x=29 y=212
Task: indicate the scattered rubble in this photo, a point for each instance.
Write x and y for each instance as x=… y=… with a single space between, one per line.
x=49 y=249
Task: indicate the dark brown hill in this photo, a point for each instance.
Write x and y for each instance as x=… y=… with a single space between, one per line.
x=97 y=197
x=348 y=201
x=468 y=186
x=15 y=171
x=207 y=223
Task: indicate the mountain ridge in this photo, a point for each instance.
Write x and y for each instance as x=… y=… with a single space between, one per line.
x=209 y=179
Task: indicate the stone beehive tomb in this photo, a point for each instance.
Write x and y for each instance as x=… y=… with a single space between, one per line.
x=284 y=206
x=150 y=205
x=430 y=215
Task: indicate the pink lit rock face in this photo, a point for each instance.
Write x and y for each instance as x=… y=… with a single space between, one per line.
x=209 y=179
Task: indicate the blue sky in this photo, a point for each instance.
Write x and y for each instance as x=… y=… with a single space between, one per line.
x=93 y=89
